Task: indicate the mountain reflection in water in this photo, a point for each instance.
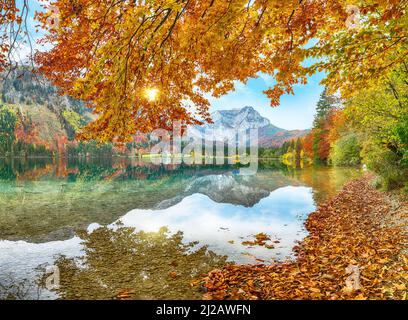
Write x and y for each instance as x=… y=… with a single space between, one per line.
x=207 y=212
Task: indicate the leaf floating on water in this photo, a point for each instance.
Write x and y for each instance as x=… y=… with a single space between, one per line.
x=260 y=240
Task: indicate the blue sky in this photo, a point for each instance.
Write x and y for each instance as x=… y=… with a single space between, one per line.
x=295 y=112
x=23 y=51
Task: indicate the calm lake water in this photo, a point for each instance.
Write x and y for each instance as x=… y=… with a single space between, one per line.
x=118 y=225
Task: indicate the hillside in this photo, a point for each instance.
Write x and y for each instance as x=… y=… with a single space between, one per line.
x=38 y=105
x=21 y=86
x=37 y=102
x=270 y=136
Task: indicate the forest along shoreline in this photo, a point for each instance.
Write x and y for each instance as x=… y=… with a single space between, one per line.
x=356 y=249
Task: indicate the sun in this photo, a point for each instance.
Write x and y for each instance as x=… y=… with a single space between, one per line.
x=151 y=94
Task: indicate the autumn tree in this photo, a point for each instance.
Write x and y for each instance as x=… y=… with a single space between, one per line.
x=7 y=16
x=13 y=31
x=141 y=65
x=380 y=116
x=339 y=125
x=307 y=145
x=322 y=124
x=379 y=111
x=298 y=149
x=25 y=129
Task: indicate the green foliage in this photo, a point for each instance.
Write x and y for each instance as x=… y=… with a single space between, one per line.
x=346 y=151
x=6 y=172
x=8 y=120
x=278 y=152
x=74 y=119
x=90 y=148
x=401 y=132
x=266 y=153
x=387 y=164
x=382 y=112
x=325 y=104
x=284 y=148
x=23 y=149
x=380 y=115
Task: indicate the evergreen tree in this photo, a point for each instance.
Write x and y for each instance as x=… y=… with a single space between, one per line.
x=284 y=148
x=8 y=120
x=325 y=105
x=298 y=149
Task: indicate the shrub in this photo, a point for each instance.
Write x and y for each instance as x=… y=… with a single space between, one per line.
x=393 y=173
x=346 y=151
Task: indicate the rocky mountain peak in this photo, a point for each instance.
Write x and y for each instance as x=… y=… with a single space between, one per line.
x=239 y=119
x=227 y=123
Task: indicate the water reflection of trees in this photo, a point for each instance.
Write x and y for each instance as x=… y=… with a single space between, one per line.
x=272 y=164
x=139 y=265
x=14 y=169
x=76 y=192
x=324 y=180
x=98 y=169
x=7 y=173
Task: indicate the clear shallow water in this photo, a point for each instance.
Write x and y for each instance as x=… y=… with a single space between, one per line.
x=207 y=212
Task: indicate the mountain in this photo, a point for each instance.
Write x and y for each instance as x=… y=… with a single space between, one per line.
x=38 y=103
x=269 y=136
x=21 y=86
x=226 y=124
x=242 y=119
x=55 y=115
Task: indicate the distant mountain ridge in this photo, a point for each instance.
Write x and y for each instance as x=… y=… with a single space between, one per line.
x=37 y=101
x=21 y=86
x=226 y=124
x=40 y=100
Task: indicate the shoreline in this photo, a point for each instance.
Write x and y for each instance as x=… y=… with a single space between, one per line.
x=356 y=249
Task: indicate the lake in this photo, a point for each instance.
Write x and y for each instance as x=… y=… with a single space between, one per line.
x=126 y=227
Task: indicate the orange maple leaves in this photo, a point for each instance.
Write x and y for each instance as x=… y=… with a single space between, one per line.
x=107 y=53
x=7 y=16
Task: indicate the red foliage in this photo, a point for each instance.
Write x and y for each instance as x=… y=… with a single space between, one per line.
x=27 y=132
x=323 y=145
x=61 y=142
x=338 y=123
x=307 y=144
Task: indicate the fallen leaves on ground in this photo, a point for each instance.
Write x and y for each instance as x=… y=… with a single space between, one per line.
x=356 y=230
